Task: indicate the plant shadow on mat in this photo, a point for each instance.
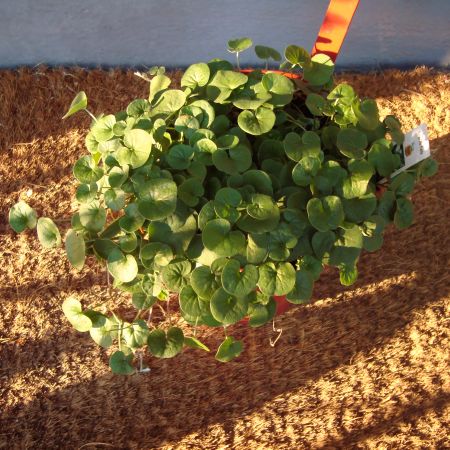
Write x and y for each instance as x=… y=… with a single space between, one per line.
x=189 y=394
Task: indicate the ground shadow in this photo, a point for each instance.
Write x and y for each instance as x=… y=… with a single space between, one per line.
x=192 y=392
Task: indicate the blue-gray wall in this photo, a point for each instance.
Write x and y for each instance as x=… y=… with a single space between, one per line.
x=176 y=33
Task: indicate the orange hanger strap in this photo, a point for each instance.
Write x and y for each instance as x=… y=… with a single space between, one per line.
x=287 y=74
x=334 y=27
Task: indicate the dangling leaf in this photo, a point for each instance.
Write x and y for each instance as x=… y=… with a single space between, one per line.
x=48 y=233
x=164 y=345
x=193 y=342
x=75 y=249
x=72 y=310
x=266 y=53
x=121 y=364
x=239 y=44
x=78 y=103
x=229 y=349
x=22 y=216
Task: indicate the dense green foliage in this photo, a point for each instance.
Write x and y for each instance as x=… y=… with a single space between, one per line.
x=229 y=191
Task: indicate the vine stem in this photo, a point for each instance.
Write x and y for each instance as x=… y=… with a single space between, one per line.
x=90 y=114
x=237 y=61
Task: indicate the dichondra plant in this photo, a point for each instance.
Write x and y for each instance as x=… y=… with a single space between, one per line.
x=229 y=191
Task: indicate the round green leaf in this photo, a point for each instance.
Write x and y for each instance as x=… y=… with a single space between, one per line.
x=132 y=220
x=229 y=349
x=427 y=168
x=264 y=52
x=317 y=105
x=297 y=56
x=92 y=216
x=102 y=130
x=75 y=249
x=128 y=243
x=168 y=102
x=136 y=334
x=348 y=274
x=138 y=145
x=208 y=113
x=257 y=248
x=176 y=274
x=351 y=143
x=191 y=304
x=404 y=214
x=78 y=103
x=72 y=310
x=86 y=192
x=305 y=170
x=257 y=122
x=196 y=75
x=218 y=237
x=156 y=252
x=233 y=161
x=359 y=209
x=122 y=267
x=48 y=233
x=86 y=171
x=357 y=183
x=159 y=83
x=320 y=70
x=322 y=242
x=367 y=114
x=402 y=184
x=229 y=196
x=158 y=198
x=187 y=125
x=114 y=199
x=103 y=247
x=121 y=364
x=330 y=175
x=259 y=314
x=239 y=282
x=22 y=216
x=227 y=308
x=138 y=107
x=276 y=279
x=164 y=345
x=325 y=213
x=190 y=191
x=239 y=44
x=204 y=282
x=263 y=207
x=104 y=332
x=382 y=158
x=303 y=289
x=179 y=156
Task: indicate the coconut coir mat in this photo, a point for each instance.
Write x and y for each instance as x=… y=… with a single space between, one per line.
x=362 y=367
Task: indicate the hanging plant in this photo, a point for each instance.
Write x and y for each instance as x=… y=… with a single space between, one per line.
x=235 y=189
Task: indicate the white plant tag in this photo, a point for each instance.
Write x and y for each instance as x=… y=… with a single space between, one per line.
x=415 y=148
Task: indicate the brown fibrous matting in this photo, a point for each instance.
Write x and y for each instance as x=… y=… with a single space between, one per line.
x=360 y=367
